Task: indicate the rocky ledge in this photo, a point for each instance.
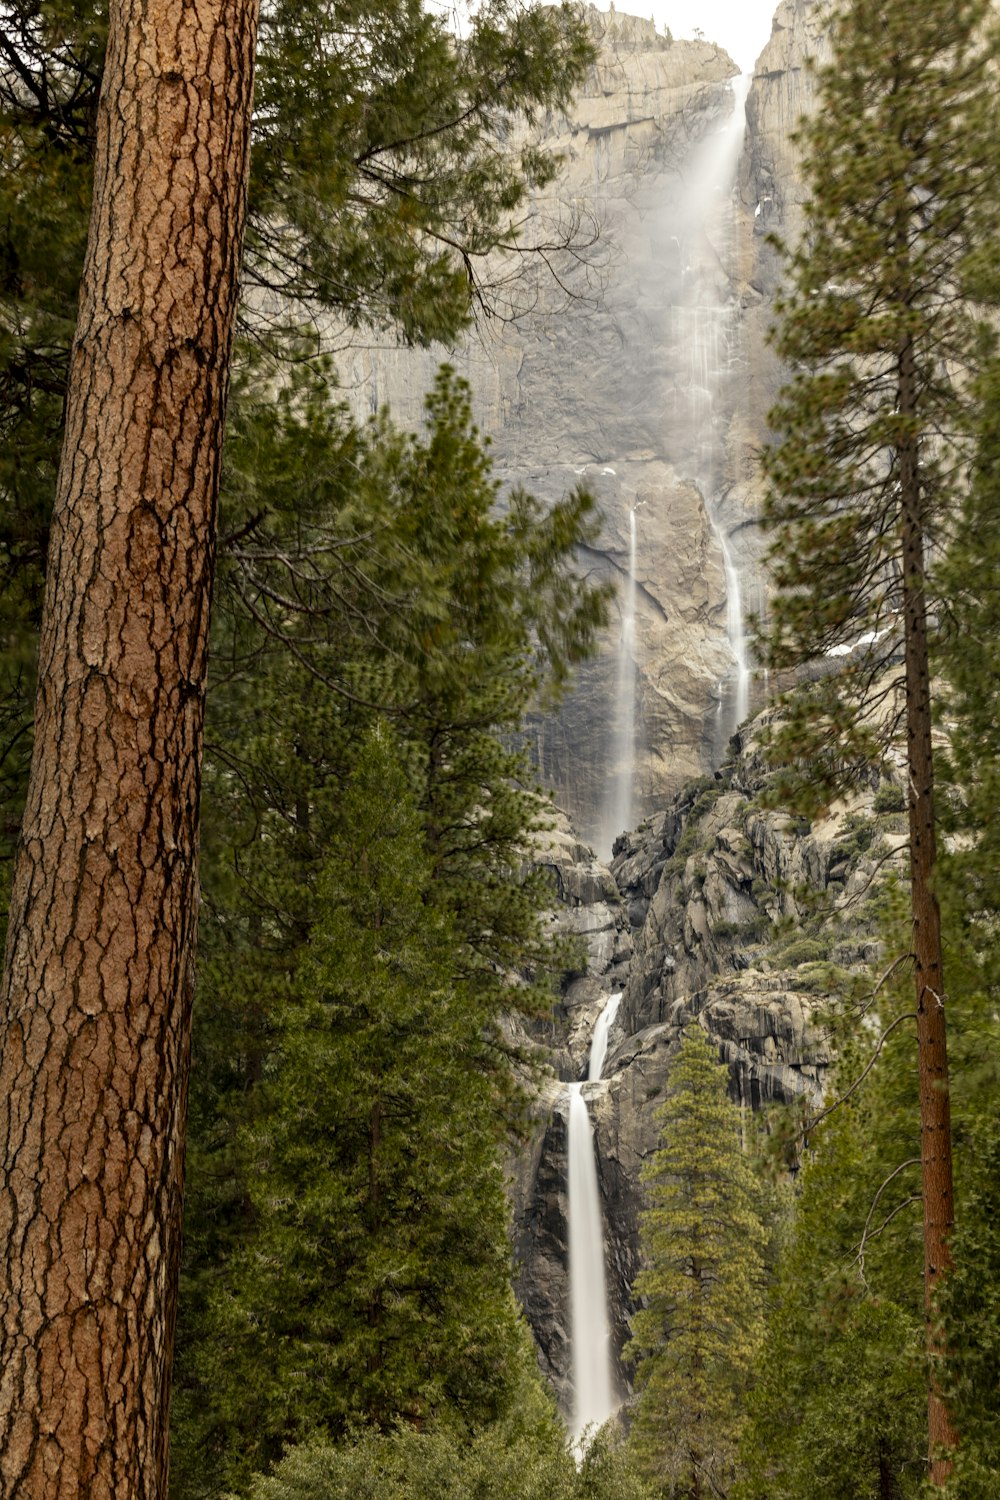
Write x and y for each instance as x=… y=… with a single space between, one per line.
x=719 y=911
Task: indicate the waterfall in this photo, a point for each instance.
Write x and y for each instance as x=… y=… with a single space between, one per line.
x=594 y=1397
x=599 y=1041
x=705 y=336
x=736 y=630
x=617 y=810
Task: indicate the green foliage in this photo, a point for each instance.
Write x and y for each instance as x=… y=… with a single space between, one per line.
x=901 y=159
x=804 y=950
x=375 y=1284
x=970 y=1306
x=698 y=1332
x=383 y=171
x=755 y=929
x=971 y=703
x=969 y=888
x=823 y=978
x=699 y=797
x=522 y=1458
x=859 y=835
x=377 y=576
x=839 y=1409
x=388 y=626
x=889 y=798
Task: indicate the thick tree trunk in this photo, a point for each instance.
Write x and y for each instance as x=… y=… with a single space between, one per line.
x=94 y=1009
x=935 y=1112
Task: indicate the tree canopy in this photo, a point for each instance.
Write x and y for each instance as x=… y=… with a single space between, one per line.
x=866 y=473
x=697 y=1333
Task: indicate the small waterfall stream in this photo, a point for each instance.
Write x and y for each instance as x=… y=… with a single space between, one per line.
x=736 y=630
x=594 y=1394
x=617 y=811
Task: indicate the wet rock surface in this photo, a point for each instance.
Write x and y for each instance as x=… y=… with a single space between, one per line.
x=727 y=914
x=643 y=373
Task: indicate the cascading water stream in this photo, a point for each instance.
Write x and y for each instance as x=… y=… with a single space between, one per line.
x=594 y=1397
x=705 y=338
x=617 y=815
x=735 y=629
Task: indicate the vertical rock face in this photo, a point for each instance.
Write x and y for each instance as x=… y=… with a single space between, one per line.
x=691 y=923
x=641 y=368
x=638 y=365
x=771 y=189
x=627 y=370
x=702 y=884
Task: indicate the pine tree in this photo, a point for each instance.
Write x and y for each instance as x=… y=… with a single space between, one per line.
x=698 y=1333
x=838 y=1408
x=970 y=894
x=418 y=603
x=867 y=469
x=375 y=1284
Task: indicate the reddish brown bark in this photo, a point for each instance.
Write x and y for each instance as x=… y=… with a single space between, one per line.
x=94 y=1008
x=932 y=1051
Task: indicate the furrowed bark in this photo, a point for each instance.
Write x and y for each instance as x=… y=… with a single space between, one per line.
x=94 y=1004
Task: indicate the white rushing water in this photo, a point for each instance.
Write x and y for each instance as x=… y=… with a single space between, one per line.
x=705 y=335
x=599 y=1041
x=594 y=1396
x=617 y=810
x=736 y=630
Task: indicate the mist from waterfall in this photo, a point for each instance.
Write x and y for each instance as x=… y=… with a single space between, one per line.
x=594 y=1394
x=705 y=337
x=617 y=808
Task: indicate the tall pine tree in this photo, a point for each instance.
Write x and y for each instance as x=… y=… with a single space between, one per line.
x=699 y=1330
x=383 y=584
x=866 y=471
x=374 y=1286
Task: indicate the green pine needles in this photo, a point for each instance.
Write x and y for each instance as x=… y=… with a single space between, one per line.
x=878 y=327
x=371 y=915
x=700 y=1327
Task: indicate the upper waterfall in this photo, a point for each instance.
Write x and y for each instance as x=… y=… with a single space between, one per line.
x=631 y=374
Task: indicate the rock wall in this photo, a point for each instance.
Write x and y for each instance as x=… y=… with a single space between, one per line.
x=687 y=920
x=639 y=368
x=717 y=911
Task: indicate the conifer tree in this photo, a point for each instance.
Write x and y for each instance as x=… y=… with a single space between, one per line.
x=698 y=1332
x=970 y=893
x=838 y=1407
x=866 y=470
x=374 y=1286
x=382 y=583
x=95 y=996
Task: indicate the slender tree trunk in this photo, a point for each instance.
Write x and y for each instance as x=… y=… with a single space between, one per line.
x=935 y=1112
x=94 y=1006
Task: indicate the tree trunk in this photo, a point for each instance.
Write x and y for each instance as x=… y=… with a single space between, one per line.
x=935 y=1113
x=886 y=1482
x=94 y=1006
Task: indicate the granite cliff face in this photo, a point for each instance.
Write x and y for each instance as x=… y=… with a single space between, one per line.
x=639 y=369
x=717 y=911
x=690 y=920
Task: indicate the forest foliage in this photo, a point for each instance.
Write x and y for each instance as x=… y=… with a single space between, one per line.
x=385 y=620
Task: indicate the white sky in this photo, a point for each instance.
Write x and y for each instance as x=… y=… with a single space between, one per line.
x=740 y=26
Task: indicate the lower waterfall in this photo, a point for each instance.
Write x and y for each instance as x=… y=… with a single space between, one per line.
x=594 y=1394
